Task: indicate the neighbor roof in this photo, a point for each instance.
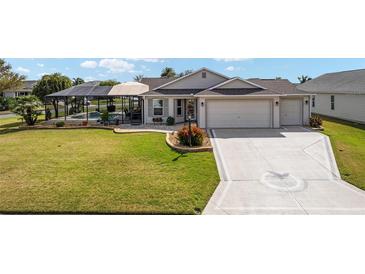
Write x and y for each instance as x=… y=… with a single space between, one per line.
x=348 y=82
x=128 y=89
x=27 y=85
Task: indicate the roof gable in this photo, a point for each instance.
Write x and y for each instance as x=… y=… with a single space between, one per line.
x=236 y=83
x=195 y=80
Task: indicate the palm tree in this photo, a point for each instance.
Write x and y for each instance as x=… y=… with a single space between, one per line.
x=186 y=72
x=77 y=81
x=302 y=79
x=168 y=72
x=138 y=78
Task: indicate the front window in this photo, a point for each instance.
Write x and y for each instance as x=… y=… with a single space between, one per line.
x=157 y=107
x=332 y=102
x=179 y=107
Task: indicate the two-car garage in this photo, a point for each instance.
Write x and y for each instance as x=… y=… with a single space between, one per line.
x=239 y=113
x=253 y=113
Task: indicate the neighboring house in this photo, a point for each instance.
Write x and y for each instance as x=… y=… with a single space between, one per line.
x=339 y=94
x=25 y=89
x=214 y=100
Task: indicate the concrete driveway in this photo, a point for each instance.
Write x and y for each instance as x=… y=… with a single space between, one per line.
x=279 y=171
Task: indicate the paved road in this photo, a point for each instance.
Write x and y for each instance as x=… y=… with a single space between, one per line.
x=3 y=116
x=279 y=171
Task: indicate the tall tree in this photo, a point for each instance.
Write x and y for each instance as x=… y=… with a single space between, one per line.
x=77 y=81
x=304 y=78
x=138 y=78
x=109 y=83
x=8 y=78
x=185 y=72
x=50 y=84
x=168 y=72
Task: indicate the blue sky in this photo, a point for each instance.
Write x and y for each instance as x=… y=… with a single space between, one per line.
x=123 y=69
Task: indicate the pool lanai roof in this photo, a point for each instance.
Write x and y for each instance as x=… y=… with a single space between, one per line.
x=92 y=89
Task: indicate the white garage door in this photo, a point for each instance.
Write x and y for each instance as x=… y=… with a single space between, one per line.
x=239 y=113
x=290 y=112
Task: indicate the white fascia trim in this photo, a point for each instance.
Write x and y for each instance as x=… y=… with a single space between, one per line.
x=188 y=75
x=233 y=79
x=171 y=95
x=239 y=96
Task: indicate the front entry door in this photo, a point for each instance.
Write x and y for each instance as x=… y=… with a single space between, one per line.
x=190 y=109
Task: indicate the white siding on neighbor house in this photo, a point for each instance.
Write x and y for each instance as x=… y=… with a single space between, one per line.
x=347 y=106
x=239 y=113
x=8 y=94
x=197 y=82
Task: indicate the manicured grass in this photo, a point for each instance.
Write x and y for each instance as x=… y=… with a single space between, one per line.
x=14 y=122
x=348 y=143
x=97 y=171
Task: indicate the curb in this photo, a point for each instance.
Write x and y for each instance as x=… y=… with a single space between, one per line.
x=182 y=149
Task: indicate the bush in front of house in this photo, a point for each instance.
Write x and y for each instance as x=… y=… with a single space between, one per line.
x=104 y=116
x=315 y=121
x=170 y=121
x=197 y=136
x=157 y=120
x=60 y=124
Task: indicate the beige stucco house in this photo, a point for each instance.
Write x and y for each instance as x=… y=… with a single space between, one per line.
x=339 y=94
x=214 y=100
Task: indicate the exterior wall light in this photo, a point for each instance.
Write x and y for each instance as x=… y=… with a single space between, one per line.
x=202 y=104
x=306 y=102
x=276 y=103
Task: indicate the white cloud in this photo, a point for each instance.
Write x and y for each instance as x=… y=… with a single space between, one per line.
x=230 y=68
x=67 y=68
x=116 y=65
x=42 y=74
x=40 y=65
x=101 y=75
x=22 y=70
x=232 y=59
x=89 y=64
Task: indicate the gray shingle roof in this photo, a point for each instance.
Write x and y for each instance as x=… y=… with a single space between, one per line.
x=154 y=82
x=161 y=92
x=348 y=82
x=237 y=91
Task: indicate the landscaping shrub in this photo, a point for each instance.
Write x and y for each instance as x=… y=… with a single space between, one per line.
x=196 y=136
x=315 y=121
x=170 y=121
x=60 y=124
x=104 y=116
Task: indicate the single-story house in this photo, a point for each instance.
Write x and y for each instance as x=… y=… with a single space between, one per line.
x=339 y=94
x=215 y=100
x=25 y=89
x=209 y=98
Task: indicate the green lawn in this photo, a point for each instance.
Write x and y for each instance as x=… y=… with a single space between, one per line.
x=97 y=171
x=348 y=142
x=14 y=122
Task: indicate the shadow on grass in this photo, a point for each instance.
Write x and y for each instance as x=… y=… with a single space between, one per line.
x=343 y=122
x=181 y=155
